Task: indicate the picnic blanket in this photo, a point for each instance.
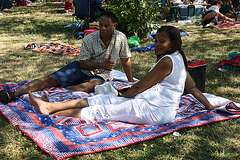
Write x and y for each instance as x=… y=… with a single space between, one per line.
x=55 y=48
x=64 y=137
x=229 y=25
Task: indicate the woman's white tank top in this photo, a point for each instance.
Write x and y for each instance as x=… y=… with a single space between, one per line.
x=167 y=93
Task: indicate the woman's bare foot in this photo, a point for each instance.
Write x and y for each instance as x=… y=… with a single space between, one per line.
x=40 y=105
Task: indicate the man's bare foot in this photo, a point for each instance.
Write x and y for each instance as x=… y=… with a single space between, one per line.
x=39 y=104
x=71 y=88
x=45 y=97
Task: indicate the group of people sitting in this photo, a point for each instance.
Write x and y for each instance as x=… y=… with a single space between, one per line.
x=152 y=100
x=219 y=11
x=215 y=11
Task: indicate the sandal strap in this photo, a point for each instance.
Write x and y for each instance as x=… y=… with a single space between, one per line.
x=9 y=96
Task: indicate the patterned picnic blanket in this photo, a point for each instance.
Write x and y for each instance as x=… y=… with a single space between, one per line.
x=63 y=137
x=55 y=48
x=229 y=25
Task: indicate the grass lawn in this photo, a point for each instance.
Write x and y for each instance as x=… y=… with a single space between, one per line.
x=40 y=22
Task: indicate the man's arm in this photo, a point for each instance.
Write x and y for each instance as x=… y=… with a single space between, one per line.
x=127 y=67
x=89 y=65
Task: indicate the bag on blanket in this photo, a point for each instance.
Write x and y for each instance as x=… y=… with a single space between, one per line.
x=197 y=70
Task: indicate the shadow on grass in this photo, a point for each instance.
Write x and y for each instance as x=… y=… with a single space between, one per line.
x=3 y=126
x=26 y=21
x=16 y=25
x=29 y=144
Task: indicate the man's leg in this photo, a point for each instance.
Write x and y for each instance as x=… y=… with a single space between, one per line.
x=37 y=85
x=85 y=86
x=208 y=17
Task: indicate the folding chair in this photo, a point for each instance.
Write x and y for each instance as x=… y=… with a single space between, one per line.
x=82 y=12
x=191 y=7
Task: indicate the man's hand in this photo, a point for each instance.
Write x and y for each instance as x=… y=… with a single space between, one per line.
x=108 y=64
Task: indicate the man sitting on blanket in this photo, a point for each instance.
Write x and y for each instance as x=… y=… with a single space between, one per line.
x=99 y=53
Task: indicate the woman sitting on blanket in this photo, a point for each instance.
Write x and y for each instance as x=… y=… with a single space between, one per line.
x=153 y=100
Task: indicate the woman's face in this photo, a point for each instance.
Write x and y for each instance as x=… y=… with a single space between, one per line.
x=162 y=43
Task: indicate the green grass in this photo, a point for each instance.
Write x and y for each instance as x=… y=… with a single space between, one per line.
x=41 y=23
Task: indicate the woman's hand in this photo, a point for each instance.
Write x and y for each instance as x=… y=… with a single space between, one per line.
x=123 y=90
x=130 y=93
x=212 y=107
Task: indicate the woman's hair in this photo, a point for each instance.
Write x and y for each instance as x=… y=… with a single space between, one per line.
x=174 y=35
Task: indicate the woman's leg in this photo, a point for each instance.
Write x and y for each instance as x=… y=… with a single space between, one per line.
x=69 y=113
x=50 y=108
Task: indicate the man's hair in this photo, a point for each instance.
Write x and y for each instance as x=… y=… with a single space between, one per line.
x=110 y=15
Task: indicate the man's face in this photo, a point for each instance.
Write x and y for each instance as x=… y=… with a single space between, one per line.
x=106 y=27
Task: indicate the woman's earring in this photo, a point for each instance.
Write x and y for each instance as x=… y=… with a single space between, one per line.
x=169 y=49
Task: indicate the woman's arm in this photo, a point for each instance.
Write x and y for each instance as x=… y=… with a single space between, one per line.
x=156 y=75
x=225 y=17
x=190 y=86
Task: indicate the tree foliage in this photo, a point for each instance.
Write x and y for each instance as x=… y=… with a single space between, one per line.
x=133 y=15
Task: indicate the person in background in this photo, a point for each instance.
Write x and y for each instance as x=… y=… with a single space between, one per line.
x=153 y=100
x=227 y=9
x=176 y=2
x=24 y=2
x=212 y=15
x=96 y=7
x=69 y=7
x=5 y=4
x=200 y=2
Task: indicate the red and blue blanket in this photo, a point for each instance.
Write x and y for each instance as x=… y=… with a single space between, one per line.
x=55 y=48
x=64 y=137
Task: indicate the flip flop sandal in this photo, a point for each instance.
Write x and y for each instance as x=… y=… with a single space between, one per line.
x=6 y=96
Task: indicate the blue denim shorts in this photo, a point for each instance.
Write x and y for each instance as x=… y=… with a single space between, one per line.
x=72 y=74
